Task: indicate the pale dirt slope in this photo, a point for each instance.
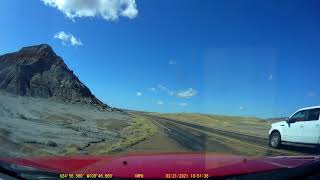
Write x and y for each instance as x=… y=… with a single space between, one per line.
x=37 y=126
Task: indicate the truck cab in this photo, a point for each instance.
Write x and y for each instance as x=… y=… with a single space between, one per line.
x=302 y=127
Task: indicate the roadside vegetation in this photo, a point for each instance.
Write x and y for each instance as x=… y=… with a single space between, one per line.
x=140 y=128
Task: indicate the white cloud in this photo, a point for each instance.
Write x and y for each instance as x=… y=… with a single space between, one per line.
x=187 y=93
x=242 y=108
x=270 y=77
x=181 y=94
x=171 y=62
x=165 y=89
x=68 y=39
x=312 y=94
x=162 y=87
x=109 y=10
x=160 y=102
x=183 y=104
x=139 y=93
x=153 y=89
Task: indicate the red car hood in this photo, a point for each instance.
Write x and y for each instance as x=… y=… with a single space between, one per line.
x=160 y=165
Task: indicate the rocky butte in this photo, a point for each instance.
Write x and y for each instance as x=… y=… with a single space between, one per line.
x=37 y=71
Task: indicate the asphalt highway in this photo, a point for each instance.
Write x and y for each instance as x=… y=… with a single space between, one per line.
x=200 y=138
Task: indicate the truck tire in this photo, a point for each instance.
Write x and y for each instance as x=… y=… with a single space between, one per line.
x=275 y=140
x=317 y=148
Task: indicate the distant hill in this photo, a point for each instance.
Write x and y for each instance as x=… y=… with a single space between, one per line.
x=276 y=119
x=37 y=71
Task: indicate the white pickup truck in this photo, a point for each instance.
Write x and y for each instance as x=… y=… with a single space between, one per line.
x=303 y=127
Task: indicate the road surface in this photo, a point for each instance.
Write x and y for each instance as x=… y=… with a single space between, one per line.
x=199 y=138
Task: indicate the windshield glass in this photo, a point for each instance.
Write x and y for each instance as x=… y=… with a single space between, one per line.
x=116 y=77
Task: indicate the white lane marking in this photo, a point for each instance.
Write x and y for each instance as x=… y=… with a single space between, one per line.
x=277 y=164
x=162 y=126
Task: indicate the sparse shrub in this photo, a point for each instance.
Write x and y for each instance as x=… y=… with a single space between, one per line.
x=22 y=116
x=52 y=144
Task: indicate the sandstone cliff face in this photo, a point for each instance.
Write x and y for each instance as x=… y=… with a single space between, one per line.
x=38 y=72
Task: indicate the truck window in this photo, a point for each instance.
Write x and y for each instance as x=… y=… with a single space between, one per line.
x=299 y=116
x=313 y=115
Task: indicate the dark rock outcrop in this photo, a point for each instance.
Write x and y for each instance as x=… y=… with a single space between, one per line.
x=38 y=72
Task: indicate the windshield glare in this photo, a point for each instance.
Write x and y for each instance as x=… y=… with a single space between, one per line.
x=118 y=77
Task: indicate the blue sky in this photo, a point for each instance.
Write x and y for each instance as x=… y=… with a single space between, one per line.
x=252 y=58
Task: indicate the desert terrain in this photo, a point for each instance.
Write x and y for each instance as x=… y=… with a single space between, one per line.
x=40 y=127
x=45 y=110
x=37 y=126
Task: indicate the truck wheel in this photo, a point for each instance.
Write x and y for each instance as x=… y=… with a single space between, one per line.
x=317 y=148
x=275 y=140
